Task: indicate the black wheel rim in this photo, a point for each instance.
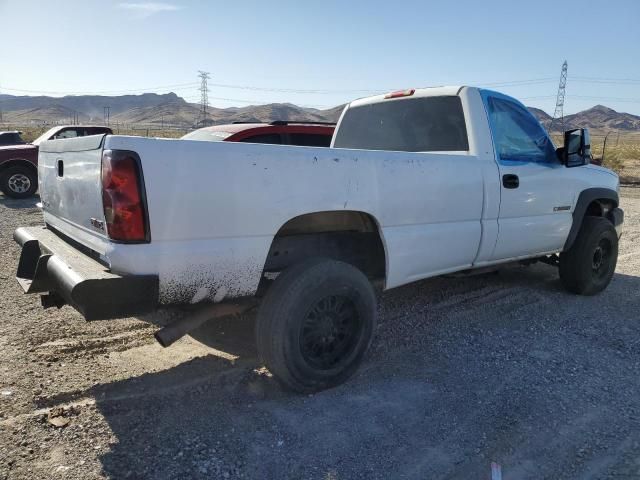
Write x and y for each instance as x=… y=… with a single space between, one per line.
x=330 y=332
x=601 y=258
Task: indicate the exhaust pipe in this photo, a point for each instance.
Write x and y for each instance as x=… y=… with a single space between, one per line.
x=173 y=332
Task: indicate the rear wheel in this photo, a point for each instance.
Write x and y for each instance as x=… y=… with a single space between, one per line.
x=18 y=182
x=315 y=324
x=588 y=266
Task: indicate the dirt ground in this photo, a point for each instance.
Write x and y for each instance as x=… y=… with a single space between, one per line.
x=502 y=367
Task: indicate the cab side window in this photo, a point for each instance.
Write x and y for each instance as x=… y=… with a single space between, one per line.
x=67 y=133
x=517 y=134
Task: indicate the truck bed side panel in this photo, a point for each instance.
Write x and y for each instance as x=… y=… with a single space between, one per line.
x=214 y=209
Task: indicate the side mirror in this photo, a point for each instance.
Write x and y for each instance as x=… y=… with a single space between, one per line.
x=577 y=148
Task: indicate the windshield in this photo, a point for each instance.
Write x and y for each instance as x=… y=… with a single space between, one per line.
x=206 y=135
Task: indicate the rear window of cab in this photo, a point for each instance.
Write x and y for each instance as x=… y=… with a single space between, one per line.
x=423 y=124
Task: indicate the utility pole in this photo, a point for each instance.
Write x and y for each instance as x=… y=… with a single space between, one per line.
x=204 y=95
x=106 y=114
x=559 y=111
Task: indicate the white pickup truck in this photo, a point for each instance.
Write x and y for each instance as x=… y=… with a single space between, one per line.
x=417 y=183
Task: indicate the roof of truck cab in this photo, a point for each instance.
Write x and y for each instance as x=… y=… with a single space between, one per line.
x=450 y=90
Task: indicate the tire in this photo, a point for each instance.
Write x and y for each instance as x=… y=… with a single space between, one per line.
x=315 y=324
x=18 y=182
x=588 y=266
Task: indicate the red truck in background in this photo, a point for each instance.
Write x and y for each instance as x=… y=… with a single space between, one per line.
x=19 y=163
x=280 y=132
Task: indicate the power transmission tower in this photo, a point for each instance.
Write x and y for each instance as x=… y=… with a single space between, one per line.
x=558 y=112
x=204 y=96
x=106 y=114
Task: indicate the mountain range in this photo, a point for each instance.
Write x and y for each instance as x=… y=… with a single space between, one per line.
x=158 y=110
x=596 y=119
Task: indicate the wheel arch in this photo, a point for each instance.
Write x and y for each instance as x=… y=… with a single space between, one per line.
x=596 y=202
x=18 y=162
x=351 y=236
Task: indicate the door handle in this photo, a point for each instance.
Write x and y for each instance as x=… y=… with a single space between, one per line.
x=510 y=181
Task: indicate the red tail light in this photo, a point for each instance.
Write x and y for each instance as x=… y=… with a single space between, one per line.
x=123 y=197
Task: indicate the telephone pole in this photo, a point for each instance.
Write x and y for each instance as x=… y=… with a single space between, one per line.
x=559 y=111
x=106 y=114
x=204 y=95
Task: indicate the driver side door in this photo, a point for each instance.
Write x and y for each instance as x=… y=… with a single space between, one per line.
x=536 y=191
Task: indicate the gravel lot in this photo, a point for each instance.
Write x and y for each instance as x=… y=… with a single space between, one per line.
x=503 y=367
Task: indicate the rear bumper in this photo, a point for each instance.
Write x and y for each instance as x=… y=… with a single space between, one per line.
x=50 y=264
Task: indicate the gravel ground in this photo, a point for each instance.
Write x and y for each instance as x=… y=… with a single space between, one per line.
x=464 y=371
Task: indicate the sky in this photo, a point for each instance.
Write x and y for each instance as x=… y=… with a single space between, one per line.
x=321 y=54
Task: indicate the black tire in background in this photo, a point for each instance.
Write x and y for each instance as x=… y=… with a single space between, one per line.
x=588 y=266
x=18 y=182
x=315 y=324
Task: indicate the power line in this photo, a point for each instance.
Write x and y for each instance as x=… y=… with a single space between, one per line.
x=586 y=97
x=264 y=89
x=190 y=85
x=95 y=92
x=618 y=81
x=515 y=83
x=195 y=99
x=379 y=90
x=185 y=86
x=609 y=99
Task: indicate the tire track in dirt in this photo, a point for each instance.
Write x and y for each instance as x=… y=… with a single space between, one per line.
x=87 y=346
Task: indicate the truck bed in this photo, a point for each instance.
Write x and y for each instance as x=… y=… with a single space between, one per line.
x=215 y=207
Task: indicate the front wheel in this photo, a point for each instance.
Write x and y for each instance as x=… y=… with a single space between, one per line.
x=588 y=266
x=18 y=182
x=315 y=324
